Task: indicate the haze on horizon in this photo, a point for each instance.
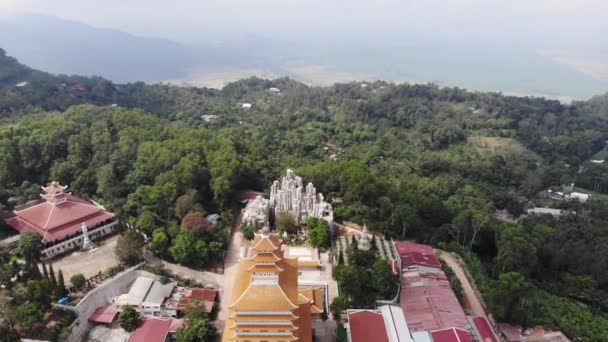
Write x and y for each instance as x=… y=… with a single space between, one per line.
x=397 y=40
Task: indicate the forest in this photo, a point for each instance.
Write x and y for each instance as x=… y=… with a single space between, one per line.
x=417 y=162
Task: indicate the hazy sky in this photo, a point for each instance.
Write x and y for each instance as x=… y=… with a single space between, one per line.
x=552 y=23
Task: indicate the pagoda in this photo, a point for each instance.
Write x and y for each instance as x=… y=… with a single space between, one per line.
x=65 y=222
x=266 y=304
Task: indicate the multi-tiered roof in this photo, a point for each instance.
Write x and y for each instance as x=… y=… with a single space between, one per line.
x=57 y=214
x=266 y=304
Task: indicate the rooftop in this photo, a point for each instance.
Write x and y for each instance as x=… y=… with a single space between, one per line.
x=104 y=314
x=416 y=254
x=451 y=335
x=367 y=325
x=151 y=330
x=428 y=301
x=57 y=214
x=207 y=296
x=483 y=330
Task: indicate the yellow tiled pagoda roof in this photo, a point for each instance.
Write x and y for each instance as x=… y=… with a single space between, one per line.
x=268 y=282
x=262 y=242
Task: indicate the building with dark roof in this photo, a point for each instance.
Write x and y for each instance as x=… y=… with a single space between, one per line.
x=62 y=220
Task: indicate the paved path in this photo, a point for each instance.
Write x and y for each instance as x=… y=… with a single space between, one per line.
x=473 y=302
x=230 y=267
x=332 y=285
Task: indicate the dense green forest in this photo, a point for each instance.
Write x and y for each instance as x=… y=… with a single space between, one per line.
x=415 y=162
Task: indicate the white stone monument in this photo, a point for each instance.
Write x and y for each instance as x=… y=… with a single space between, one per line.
x=256 y=213
x=364 y=243
x=87 y=244
x=290 y=196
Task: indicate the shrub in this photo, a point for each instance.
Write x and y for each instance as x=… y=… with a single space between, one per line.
x=78 y=280
x=128 y=319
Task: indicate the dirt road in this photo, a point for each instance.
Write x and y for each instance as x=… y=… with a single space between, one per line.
x=471 y=300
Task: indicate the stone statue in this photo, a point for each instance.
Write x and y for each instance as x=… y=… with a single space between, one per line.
x=87 y=244
x=364 y=243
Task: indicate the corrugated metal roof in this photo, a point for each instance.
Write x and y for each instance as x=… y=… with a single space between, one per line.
x=151 y=330
x=451 y=335
x=158 y=292
x=422 y=336
x=484 y=331
x=396 y=326
x=366 y=325
x=416 y=254
x=140 y=289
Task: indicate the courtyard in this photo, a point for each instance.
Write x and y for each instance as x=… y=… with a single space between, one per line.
x=89 y=263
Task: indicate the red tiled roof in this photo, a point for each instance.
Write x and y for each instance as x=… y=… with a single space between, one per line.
x=367 y=326
x=429 y=303
x=104 y=314
x=484 y=330
x=151 y=330
x=207 y=296
x=57 y=216
x=451 y=335
x=416 y=254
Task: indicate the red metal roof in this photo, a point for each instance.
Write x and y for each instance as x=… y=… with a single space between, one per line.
x=104 y=314
x=484 y=331
x=416 y=254
x=248 y=195
x=151 y=330
x=428 y=301
x=58 y=215
x=451 y=335
x=367 y=326
x=207 y=296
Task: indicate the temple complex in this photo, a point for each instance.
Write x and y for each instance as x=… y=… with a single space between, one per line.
x=64 y=221
x=266 y=303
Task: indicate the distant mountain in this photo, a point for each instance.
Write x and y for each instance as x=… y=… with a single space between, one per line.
x=61 y=46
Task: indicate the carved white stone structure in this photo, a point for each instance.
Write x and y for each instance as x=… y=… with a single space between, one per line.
x=364 y=243
x=87 y=244
x=291 y=197
x=256 y=212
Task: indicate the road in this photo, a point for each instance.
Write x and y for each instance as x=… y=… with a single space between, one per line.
x=472 y=301
x=230 y=267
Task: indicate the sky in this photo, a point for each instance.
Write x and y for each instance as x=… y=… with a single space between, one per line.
x=550 y=23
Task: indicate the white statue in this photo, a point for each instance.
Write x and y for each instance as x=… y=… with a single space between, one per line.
x=87 y=244
x=364 y=243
